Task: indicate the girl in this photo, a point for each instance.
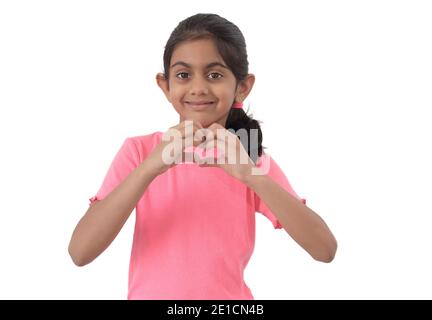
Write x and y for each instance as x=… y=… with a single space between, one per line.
x=195 y=222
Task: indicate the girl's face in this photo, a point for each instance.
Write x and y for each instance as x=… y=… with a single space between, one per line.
x=200 y=85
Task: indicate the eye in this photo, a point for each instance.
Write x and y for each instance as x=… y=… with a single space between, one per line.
x=177 y=75
x=216 y=73
x=213 y=75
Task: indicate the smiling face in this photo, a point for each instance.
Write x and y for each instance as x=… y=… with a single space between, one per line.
x=200 y=85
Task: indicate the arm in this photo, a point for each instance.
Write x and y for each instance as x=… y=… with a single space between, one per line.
x=301 y=223
x=105 y=218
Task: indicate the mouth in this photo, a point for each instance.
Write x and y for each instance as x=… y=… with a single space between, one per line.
x=199 y=105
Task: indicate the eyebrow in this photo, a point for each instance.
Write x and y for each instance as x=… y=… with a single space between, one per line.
x=210 y=65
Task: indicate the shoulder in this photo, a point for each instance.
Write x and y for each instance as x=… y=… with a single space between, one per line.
x=143 y=144
x=146 y=140
x=263 y=158
x=265 y=162
x=269 y=166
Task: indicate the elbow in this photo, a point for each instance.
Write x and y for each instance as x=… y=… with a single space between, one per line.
x=78 y=263
x=328 y=253
x=78 y=259
x=325 y=258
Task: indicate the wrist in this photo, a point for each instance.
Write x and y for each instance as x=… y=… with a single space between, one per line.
x=254 y=176
x=148 y=168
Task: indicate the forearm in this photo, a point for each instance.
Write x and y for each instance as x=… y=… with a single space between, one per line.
x=301 y=223
x=105 y=218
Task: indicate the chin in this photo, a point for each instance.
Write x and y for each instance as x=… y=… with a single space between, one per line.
x=205 y=121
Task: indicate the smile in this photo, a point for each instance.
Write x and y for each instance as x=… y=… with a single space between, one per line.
x=201 y=105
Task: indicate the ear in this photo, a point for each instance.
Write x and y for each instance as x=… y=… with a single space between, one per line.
x=162 y=82
x=244 y=87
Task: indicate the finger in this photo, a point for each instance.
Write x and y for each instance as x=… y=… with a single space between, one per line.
x=190 y=141
x=199 y=124
x=200 y=135
x=207 y=162
x=193 y=139
x=208 y=165
x=223 y=143
x=213 y=156
x=189 y=128
x=231 y=149
x=220 y=133
x=188 y=157
x=196 y=137
x=211 y=162
x=196 y=156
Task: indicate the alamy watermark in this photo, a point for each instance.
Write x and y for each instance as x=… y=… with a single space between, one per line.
x=226 y=144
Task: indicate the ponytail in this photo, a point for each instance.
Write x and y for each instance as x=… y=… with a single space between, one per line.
x=238 y=119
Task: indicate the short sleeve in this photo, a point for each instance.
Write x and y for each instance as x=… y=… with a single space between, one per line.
x=124 y=162
x=271 y=168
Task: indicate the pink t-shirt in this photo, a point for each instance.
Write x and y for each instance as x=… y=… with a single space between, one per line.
x=195 y=227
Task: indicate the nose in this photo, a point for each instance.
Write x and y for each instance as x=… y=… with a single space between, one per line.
x=198 y=87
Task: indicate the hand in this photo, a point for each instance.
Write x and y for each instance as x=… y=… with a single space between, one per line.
x=233 y=159
x=171 y=150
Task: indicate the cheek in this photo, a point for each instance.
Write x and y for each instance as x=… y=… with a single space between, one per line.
x=225 y=91
x=226 y=98
x=174 y=91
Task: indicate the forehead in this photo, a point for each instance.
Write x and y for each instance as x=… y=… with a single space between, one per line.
x=197 y=53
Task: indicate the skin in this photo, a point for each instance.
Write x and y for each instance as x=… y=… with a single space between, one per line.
x=198 y=83
x=105 y=218
x=305 y=226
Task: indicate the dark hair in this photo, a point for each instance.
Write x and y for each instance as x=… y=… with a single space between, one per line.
x=231 y=46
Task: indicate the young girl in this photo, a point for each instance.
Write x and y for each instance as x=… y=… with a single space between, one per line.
x=195 y=220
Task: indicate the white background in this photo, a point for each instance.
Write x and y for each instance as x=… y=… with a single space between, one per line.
x=344 y=90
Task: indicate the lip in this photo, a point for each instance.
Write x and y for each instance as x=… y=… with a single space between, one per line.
x=199 y=105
